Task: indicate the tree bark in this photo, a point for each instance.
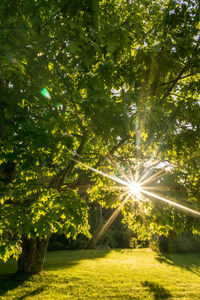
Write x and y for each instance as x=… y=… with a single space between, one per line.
x=33 y=254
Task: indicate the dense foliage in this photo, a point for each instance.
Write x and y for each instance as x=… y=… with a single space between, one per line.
x=119 y=83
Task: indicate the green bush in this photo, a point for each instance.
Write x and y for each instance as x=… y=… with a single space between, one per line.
x=185 y=243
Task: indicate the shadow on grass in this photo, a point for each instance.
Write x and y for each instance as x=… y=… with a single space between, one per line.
x=159 y=292
x=30 y=285
x=187 y=261
x=10 y=282
x=36 y=284
x=32 y=293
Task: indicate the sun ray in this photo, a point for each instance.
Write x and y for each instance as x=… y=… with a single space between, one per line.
x=155 y=188
x=153 y=177
x=114 y=178
x=171 y=202
x=109 y=221
x=115 y=188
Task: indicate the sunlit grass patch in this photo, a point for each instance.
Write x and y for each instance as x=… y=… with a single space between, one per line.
x=105 y=274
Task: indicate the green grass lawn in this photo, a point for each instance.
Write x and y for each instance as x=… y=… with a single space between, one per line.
x=106 y=274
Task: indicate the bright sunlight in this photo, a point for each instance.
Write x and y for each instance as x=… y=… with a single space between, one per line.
x=135 y=188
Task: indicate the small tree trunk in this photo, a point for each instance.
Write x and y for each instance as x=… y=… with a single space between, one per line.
x=33 y=254
x=100 y=214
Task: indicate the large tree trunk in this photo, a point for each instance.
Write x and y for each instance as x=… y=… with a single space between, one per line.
x=33 y=254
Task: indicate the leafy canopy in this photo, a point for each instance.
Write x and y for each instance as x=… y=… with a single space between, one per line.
x=94 y=80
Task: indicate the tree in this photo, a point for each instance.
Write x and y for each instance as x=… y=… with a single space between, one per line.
x=108 y=71
x=62 y=48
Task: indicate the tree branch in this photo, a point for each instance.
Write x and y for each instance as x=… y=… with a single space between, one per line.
x=171 y=81
x=84 y=178
x=174 y=82
x=71 y=165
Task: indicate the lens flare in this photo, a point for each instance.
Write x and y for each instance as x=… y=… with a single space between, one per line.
x=45 y=93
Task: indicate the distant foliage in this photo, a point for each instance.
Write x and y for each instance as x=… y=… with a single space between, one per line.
x=185 y=243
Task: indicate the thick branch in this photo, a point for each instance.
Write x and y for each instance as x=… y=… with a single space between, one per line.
x=71 y=165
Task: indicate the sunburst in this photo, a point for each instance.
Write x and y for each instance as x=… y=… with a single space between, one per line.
x=134 y=189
